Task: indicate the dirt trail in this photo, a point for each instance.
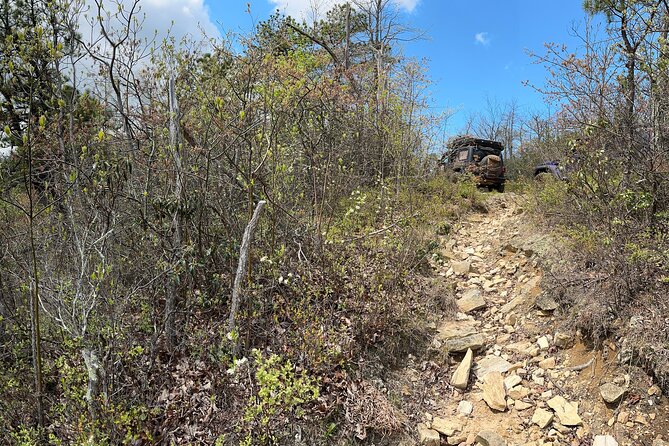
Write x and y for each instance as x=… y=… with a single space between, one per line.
x=530 y=382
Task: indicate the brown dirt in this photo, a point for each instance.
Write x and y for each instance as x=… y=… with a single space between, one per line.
x=507 y=268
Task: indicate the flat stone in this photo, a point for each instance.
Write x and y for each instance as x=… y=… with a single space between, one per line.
x=543 y=343
x=546 y=303
x=472 y=300
x=522 y=405
x=454 y=329
x=513 y=304
x=518 y=392
x=461 y=267
x=563 y=340
x=493 y=391
x=491 y=363
x=465 y=407
x=456 y=439
x=611 y=393
x=604 y=440
x=474 y=342
x=446 y=426
x=428 y=437
x=566 y=412
x=460 y=377
x=523 y=348
x=458 y=336
x=542 y=417
x=548 y=363
x=489 y=438
x=512 y=381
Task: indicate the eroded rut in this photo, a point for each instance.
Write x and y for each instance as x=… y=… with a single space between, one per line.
x=503 y=371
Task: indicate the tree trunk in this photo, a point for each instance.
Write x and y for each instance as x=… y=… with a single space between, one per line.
x=173 y=280
x=96 y=375
x=241 y=268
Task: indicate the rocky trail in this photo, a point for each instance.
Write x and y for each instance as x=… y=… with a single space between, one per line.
x=503 y=370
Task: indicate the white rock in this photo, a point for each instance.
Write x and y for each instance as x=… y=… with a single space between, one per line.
x=512 y=381
x=543 y=343
x=566 y=412
x=446 y=426
x=542 y=417
x=604 y=440
x=461 y=375
x=491 y=363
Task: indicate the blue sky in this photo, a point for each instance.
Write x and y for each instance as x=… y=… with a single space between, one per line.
x=475 y=49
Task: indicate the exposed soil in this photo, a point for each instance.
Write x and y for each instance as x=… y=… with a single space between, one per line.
x=492 y=256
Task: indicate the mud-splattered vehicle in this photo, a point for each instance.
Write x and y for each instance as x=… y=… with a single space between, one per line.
x=481 y=158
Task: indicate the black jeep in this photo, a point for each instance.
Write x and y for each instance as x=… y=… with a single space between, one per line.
x=480 y=157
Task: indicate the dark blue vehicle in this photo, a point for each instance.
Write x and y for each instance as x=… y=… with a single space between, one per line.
x=550 y=168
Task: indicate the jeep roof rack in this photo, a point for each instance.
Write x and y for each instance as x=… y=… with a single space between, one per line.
x=467 y=140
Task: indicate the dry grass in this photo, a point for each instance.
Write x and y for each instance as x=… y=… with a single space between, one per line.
x=367 y=408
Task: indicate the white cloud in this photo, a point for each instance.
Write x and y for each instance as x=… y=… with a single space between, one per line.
x=482 y=38
x=181 y=17
x=307 y=9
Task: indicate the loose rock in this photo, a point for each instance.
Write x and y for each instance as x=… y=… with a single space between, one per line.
x=566 y=412
x=461 y=344
x=461 y=375
x=471 y=301
x=461 y=267
x=548 y=363
x=546 y=303
x=611 y=393
x=465 y=407
x=604 y=440
x=428 y=437
x=523 y=348
x=490 y=364
x=489 y=438
x=518 y=392
x=522 y=405
x=493 y=391
x=458 y=336
x=512 y=381
x=445 y=426
x=542 y=417
x=563 y=340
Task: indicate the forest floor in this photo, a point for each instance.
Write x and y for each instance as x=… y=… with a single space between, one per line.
x=532 y=380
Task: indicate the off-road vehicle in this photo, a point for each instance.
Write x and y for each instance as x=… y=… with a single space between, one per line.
x=481 y=158
x=549 y=169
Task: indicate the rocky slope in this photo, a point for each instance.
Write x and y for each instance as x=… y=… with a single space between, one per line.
x=504 y=370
